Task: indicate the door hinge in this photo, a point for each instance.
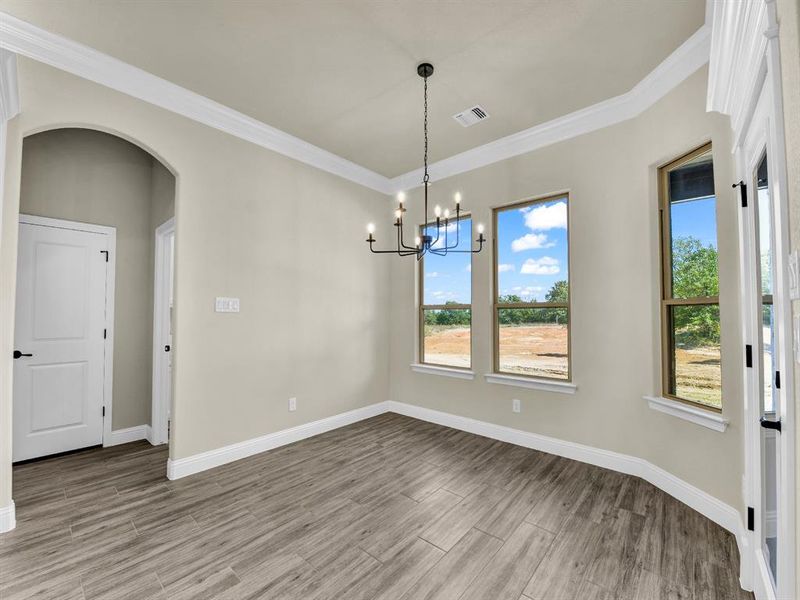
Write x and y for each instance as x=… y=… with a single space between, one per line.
x=751 y=519
x=777 y=380
x=742 y=192
x=105 y=333
x=106 y=253
x=104 y=411
x=748 y=356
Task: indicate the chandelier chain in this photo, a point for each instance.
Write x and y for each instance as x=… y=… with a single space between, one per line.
x=426 y=177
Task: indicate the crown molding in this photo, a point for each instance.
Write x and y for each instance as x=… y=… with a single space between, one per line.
x=9 y=92
x=23 y=38
x=57 y=51
x=685 y=60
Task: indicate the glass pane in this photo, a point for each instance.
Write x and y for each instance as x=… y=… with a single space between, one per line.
x=697 y=375
x=768 y=329
x=447 y=337
x=769 y=404
x=448 y=278
x=693 y=229
x=532 y=252
x=534 y=341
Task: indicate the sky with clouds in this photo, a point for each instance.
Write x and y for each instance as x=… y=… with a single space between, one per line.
x=447 y=278
x=532 y=249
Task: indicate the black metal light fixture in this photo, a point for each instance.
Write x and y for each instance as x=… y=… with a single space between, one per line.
x=426 y=242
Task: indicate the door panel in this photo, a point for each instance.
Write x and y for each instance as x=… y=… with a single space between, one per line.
x=60 y=319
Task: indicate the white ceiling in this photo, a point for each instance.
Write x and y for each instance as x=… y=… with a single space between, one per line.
x=341 y=74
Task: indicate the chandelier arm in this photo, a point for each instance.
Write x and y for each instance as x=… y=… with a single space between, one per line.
x=372 y=249
x=403 y=250
x=438 y=231
x=402 y=240
x=480 y=241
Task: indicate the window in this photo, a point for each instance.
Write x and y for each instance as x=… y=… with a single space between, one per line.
x=445 y=288
x=531 y=286
x=691 y=354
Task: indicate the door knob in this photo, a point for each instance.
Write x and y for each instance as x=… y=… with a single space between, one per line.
x=18 y=354
x=767 y=424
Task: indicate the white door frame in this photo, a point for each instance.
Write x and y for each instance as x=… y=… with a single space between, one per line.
x=161 y=293
x=763 y=131
x=108 y=366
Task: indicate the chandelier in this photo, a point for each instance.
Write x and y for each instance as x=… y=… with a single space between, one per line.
x=441 y=243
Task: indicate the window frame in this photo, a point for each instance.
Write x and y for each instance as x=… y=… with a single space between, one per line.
x=497 y=306
x=667 y=302
x=422 y=307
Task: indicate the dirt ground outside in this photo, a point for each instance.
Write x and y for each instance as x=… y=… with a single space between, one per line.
x=538 y=350
x=698 y=375
x=541 y=351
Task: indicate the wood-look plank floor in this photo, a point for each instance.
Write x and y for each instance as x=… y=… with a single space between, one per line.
x=390 y=508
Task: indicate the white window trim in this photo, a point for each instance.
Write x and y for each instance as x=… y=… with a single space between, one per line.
x=687 y=412
x=443 y=371
x=561 y=387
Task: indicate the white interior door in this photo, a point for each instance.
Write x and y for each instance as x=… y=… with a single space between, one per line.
x=59 y=340
x=162 y=331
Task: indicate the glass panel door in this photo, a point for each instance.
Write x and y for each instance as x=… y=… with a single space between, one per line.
x=767 y=352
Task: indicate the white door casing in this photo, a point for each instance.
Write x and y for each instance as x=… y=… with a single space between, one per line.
x=64 y=284
x=761 y=137
x=162 y=331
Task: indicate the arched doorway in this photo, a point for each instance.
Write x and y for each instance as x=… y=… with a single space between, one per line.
x=90 y=205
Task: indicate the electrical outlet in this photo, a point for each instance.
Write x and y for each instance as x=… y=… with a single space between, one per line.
x=292 y=404
x=515 y=405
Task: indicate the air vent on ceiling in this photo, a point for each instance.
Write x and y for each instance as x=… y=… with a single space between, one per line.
x=471 y=116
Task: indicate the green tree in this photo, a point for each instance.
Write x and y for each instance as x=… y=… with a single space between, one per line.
x=695 y=274
x=694 y=268
x=559 y=292
x=449 y=316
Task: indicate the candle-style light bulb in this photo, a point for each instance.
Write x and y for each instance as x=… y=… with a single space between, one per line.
x=401 y=197
x=398 y=213
x=458 y=197
x=417 y=241
x=437 y=211
x=371 y=228
x=446 y=213
x=480 y=228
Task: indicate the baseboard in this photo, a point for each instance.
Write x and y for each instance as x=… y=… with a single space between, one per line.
x=131 y=434
x=8 y=519
x=723 y=514
x=190 y=465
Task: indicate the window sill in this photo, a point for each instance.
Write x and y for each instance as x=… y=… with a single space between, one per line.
x=561 y=387
x=706 y=418
x=443 y=371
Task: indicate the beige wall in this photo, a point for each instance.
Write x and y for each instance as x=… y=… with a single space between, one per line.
x=285 y=238
x=93 y=177
x=611 y=175
x=789 y=22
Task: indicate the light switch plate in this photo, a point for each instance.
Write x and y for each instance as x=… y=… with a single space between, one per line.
x=794 y=276
x=226 y=305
